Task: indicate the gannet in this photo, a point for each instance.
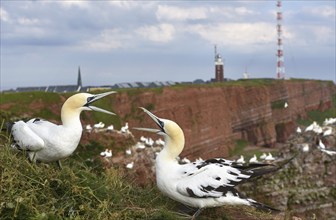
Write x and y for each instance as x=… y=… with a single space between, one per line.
x=254 y=159
x=305 y=147
x=298 y=130
x=206 y=183
x=124 y=129
x=327 y=131
x=130 y=165
x=128 y=151
x=241 y=159
x=269 y=157
x=47 y=142
x=263 y=156
x=286 y=105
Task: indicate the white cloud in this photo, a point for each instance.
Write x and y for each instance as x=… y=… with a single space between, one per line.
x=165 y=12
x=28 y=21
x=4 y=15
x=74 y=3
x=160 y=33
x=322 y=11
x=107 y=40
x=236 y=34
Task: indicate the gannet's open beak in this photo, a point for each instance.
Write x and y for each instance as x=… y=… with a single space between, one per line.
x=96 y=97
x=156 y=119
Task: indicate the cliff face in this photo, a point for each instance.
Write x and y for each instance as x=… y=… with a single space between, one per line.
x=213 y=117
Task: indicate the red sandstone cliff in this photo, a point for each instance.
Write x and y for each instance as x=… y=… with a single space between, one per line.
x=212 y=117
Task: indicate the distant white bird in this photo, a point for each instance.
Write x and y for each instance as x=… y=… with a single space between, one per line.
x=329 y=152
x=329 y=121
x=263 y=156
x=100 y=125
x=254 y=159
x=269 y=157
x=317 y=129
x=47 y=142
x=321 y=144
x=143 y=139
x=106 y=153
x=305 y=147
x=140 y=145
x=298 y=130
x=311 y=126
x=185 y=160
x=88 y=128
x=328 y=131
x=130 y=165
x=124 y=129
x=110 y=128
x=286 y=105
x=159 y=142
x=241 y=159
x=149 y=142
x=207 y=183
x=128 y=152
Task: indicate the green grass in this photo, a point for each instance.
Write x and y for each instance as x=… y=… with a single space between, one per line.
x=319 y=116
x=42 y=191
x=238 y=148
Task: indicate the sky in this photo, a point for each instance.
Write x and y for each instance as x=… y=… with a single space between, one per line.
x=44 y=42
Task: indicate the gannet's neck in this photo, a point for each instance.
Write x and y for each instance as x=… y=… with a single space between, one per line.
x=173 y=147
x=70 y=116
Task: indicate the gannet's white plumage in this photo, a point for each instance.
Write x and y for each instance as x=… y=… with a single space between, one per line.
x=45 y=141
x=204 y=183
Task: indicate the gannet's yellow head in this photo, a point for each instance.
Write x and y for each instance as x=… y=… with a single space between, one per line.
x=172 y=132
x=77 y=103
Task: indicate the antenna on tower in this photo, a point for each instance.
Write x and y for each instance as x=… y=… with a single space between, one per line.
x=280 y=69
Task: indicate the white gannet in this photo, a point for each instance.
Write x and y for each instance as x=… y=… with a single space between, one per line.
x=298 y=130
x=88 y=128
x=305 y=147
x=128 y=151
x=130 y=165
x=254 y=159
x=207 y=183
x=269 y=157
x=110 y=128
x=241 y=159
x=322 y=148
x=327 y=131
x=106 y=153
x=47 y=142
x=100 y=125
x=286 y=105
x=263 y=156
x=311 y=126
x=124 y=129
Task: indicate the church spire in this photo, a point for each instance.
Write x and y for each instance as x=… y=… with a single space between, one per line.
x=79 y=79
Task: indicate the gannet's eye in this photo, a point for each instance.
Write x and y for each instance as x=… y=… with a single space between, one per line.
x=88 y=100
x=161 y=124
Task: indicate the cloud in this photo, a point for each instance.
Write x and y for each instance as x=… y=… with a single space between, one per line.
x=324 y=11
x=74 y=3
x=236 y=34
x=4 y=16
x=107 y=40
x=165 y=12
x=160 y=33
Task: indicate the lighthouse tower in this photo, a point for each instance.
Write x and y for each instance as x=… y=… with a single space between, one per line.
x=219 y=67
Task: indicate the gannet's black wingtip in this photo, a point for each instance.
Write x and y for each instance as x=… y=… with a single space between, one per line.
x=263 y=207
x=8 y=127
